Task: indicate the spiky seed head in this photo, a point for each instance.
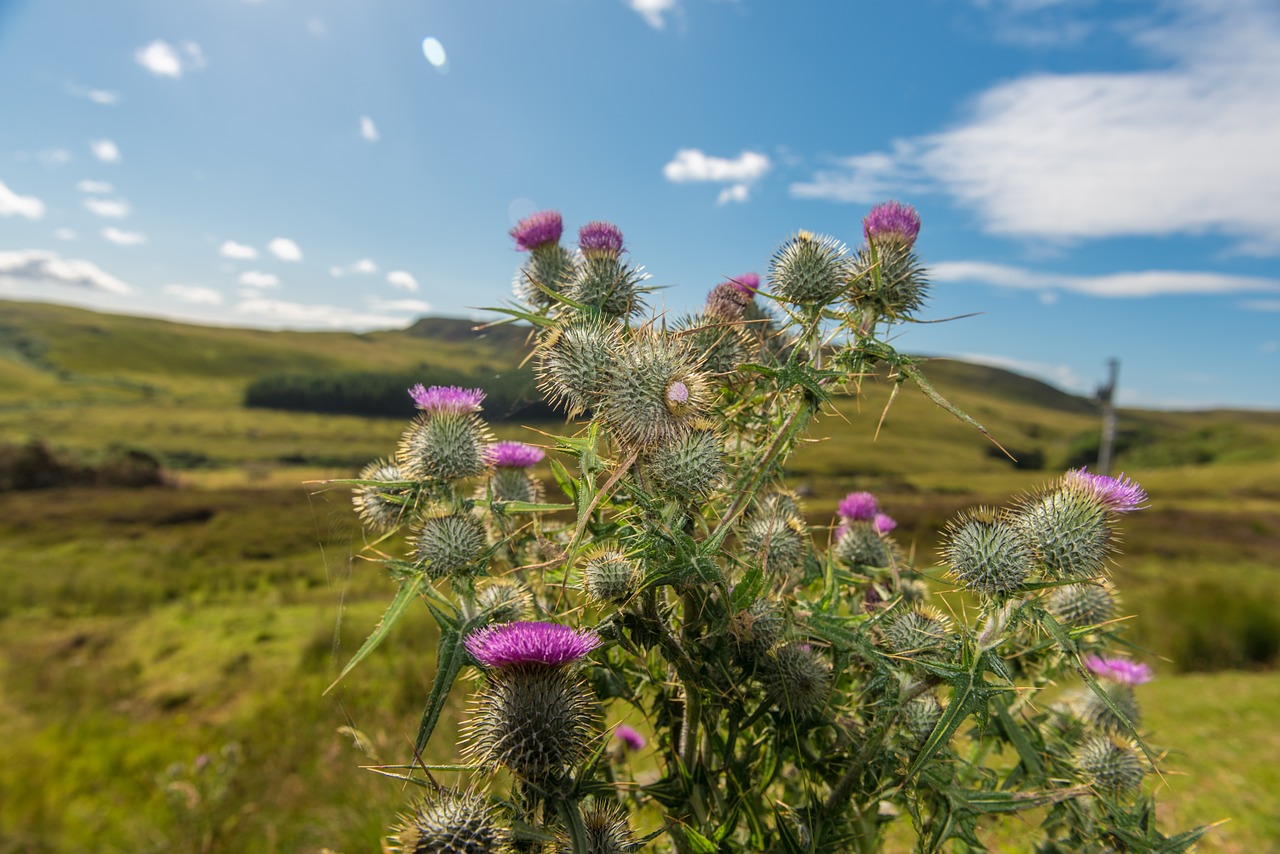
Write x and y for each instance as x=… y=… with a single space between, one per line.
x=536 y=721
x=603 y=282
x=1118 y=670
x=690 y=465
x=918 y=631
x=610 y=577
x=1089 y=707
x=607 y=830
x=778 y=542
x=782 y=503
x=919 y=716
x=809 y=269
x=892 y=281
x=1117 y=494
x=798 y=679
x=986 y=553
x=891 y=222
x=1068 y=531
x=504 y=601
x=449 y=822
x=654 y=393
x=381 y=508
x=549 y=268
x=575 y=362
x=444 y=446
x=724 y=346
x=858 y=507
x=859 y=544
x=1084 y=604
x=447 y=544
x=1111 y=764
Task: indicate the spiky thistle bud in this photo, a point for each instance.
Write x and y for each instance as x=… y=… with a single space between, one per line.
x=535 y=714
x=381 y=507
x=778 y=542
x=449 y=823
x=575 y=362
x=759 y=627
x=1068 y=531
x=986 y=553
x=723 y=346
x=798 y=679
x=446 y=544
x=610 y=577
x=550 y=266
x=1085 y=604
x=919 y=717
x=607 y=830
x=728 y=301
x=655 y=392
x=691 y=465
x=1112 y=765
x=446 y=441
x=1091 y=708
x=504 y=601
x=860 y=544
x=511 y=479
x=783 y=503
x=919 y=631
x=809 y=269
x=601 y=280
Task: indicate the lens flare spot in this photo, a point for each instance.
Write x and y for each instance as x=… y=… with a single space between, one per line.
x=434 y=52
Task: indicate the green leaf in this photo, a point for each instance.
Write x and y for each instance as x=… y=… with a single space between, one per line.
x=530 y=507
x=408 y=590
x=565 y=480
x=698 y=843
x=449 y=660
x=1026 y=752
x=746 y=591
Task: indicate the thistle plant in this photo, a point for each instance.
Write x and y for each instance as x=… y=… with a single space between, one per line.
x=668 y=649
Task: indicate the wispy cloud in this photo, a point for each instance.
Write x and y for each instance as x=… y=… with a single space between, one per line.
x=94 y=187
x=43 y=266
x=654 y=11
x=65 y=233
x=123 y=238
x=364 y=267
x=104 y=97
x=113 y=208
x=105 y=150
x=258 y=279
x=402 y=279
x=280 y=313
x=1141 y=283
x=285 y=249
x=194 y=294
x=412 y=306
x=165 y=60
x=1185 y=148
x=12 y=204
x=238 y=251
x=368 y=129
x=1059 y=375
x=1262 y=304
x=739 y=174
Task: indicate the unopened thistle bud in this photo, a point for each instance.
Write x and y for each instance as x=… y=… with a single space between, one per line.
x=381 y=507
x=723 y=346
x=601 y=280
x=575 y=362
x=610 y=578
x=607 y=830
x=1068 y=531
x=1086 y=604
x=986 y=553
x=809 y=269
x=655 y=393
x=798 y=679
x=511 y=479
x=860 y=544
x=504 y=601
x=1089 y=707
x=783 y=503
x=917 y=632
x=448 y=544
x=449 y=823
x=1112 y=765
x=778 y=542
x=758 y=628
x=690 y=465
x=920 y=716
x=447 y=441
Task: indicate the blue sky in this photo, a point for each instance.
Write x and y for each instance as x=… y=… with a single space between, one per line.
x=1098 y=179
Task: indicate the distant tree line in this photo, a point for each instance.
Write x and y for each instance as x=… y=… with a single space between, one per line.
x=509 y=396
x=36 y=465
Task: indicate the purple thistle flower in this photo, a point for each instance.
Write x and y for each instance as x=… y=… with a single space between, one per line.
x=1119 y=495
x=631 y=738
x=600 y=239
x=530 y=642
x=678 y=392
x=1120 y=670
x=538 y=229
x=748 y=283
x=883 y=523
x=446 y=399
x=859 y=507
x=514 y=455
x=892 y=222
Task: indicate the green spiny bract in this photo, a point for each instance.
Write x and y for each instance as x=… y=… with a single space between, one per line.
x=536 y=721
x=1089 y=707
x=798 y=679
x=448 y=544
x=690 y=465
x=809 y=269
x=514 y=484
x=1069 y=533
x=504 y=601
x=758 y=628
x=444 y=446
x=575 y=361
x=724 y=346
x=655 y=392
x=917 y=631
x=381 y=507
x=607 y=830
x=899 y=289
x=607 y=285
x=986 y=553
x=610 y=578
x=778 y=542
x=782 y=503
x=919 y=717
x=859 y=544
x=1086 y=604
x=449 y=823
x=1110 y=764
x=550 y=266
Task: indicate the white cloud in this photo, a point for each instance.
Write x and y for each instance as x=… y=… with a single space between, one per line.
x=258 y=279
x=1141 y=283
x=402 y=279
x=297 y=315
x=11 y=204
x=114 y=208
x=1060 y=375
x=65 y=234
x=1262 y=304
x=54 y=156
x=123 y=238
x=164 y=60
x=195 y=294
x=364 y=267
x=40 y=265
x=739 y=173
x=414 y=306
x=653 y=10
x=285 y=249
x=368 y=129
x=1185 y=148
x=105 y=150
x=733 y=193
x=103 y=96
x=94 y=187
x=239 y=251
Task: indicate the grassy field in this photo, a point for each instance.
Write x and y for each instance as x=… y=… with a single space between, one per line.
x=166 y=649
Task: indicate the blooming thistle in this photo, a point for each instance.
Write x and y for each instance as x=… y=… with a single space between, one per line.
x=883 y=523
x=600 y=240
x=533 y=643
x=891 y=222
x=549 y=266
x=1119 y=670
x=447 y=441
x=630 y=737
x=858 y=507
x=602 y=281
x=446 y=399
x=511 y=480
x=537 y=230
x=449 y=823
x=887 y=277
x=515 y=455
x=1119 y=495
x=728 y=301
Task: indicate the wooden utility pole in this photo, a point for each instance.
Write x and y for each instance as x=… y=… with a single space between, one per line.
x=1105 y=395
